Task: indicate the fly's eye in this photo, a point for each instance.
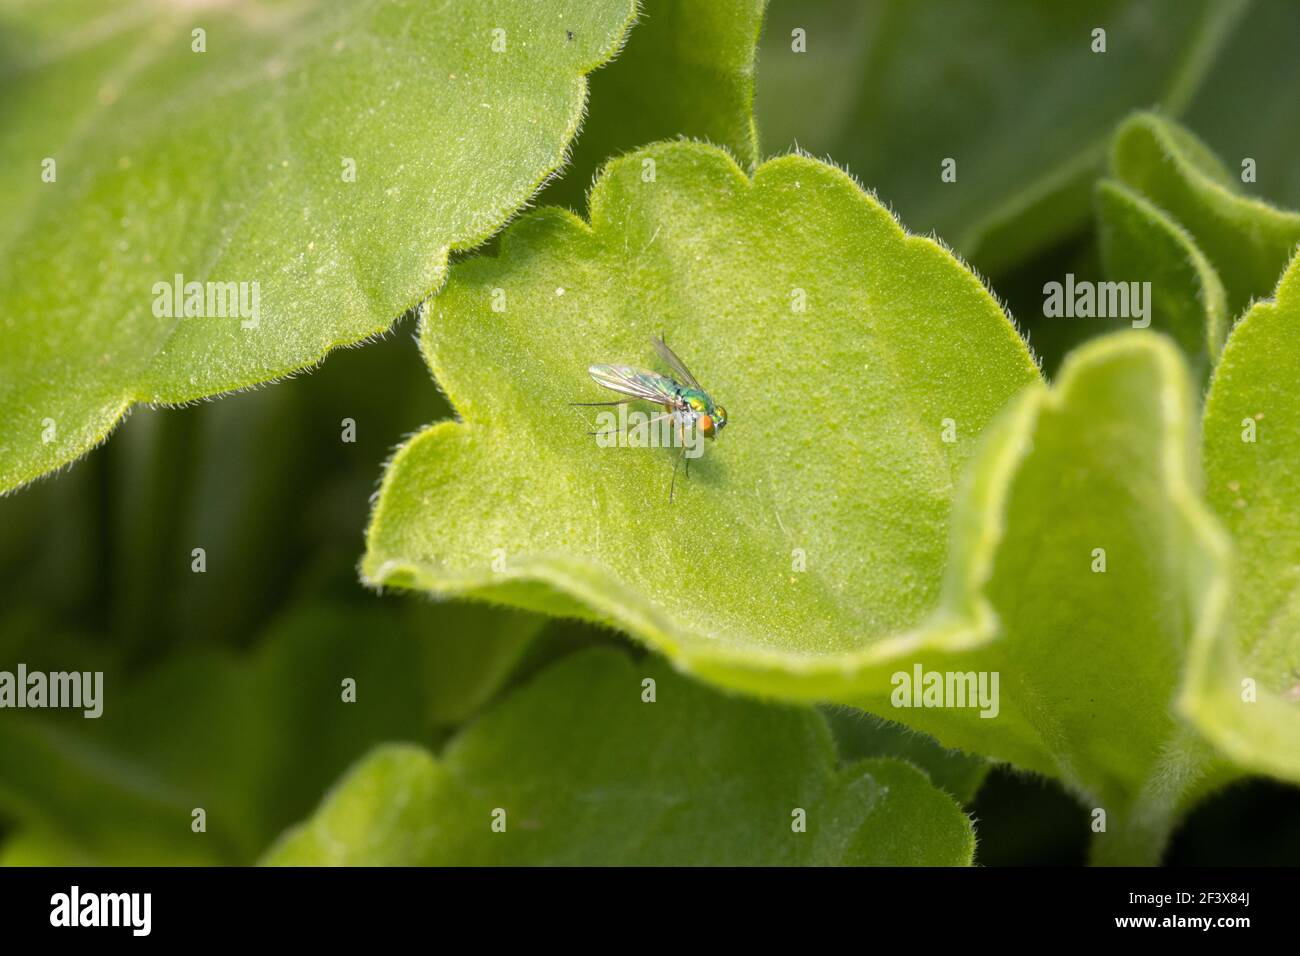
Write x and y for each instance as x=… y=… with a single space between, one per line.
x=706 y=425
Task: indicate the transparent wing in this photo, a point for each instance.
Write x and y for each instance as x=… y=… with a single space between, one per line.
x=677 y=365
x=635 y=382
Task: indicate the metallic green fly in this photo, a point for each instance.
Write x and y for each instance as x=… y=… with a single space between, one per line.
x=685 y=403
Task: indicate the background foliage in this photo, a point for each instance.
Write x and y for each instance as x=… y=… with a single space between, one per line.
x=224 y=686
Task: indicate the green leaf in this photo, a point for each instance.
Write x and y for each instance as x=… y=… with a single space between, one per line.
x=229 y=165
x=470 y=651
x=1081 y=533
x=1089 y=663
x=253 y=741
x=934 y=81
x=687 y=71
x=1141 y=244
x=1248 y=241
x=835 y=460
x=265 y=481
x=1245 y=108
x=859 y=735
x=587 y=772
x=1252 y=464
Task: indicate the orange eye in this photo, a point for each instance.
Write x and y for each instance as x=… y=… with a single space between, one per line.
x=706 y=425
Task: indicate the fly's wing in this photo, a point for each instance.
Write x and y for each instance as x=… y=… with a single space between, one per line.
x=677 y=365
x=635 y=382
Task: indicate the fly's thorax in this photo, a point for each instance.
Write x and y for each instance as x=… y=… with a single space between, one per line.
x=696 y=400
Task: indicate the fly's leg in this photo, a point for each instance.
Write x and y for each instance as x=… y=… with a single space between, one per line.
x=673 y=483
x=688 y=461
x=681 y=435
x=621 y=401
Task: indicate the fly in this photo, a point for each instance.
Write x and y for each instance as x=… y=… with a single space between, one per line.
x=680 y=396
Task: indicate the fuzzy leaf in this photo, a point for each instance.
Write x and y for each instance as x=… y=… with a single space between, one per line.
x=253 y=741
x=1082 y=534
x=1252 y=463
x=1248 y=241
x=1100 y=462
x=859 y=735
x=835 y=459
x=1140 y=243
x=937 y=80
x=230 y=165
x=588 y=773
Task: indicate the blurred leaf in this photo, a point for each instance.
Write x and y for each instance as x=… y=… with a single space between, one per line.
x=1252 y=463
x=253 y=741
x=687 y=71
x=1012 y=91
x=835 y=458
x=859 y=735
x=273 y=484
x=1176 y=202
x=1139 y=243
x=587 y=773
x=471 y=650
x=1248 y=241
x=1081 y=533
x=1246 y=105
x=230 y=165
